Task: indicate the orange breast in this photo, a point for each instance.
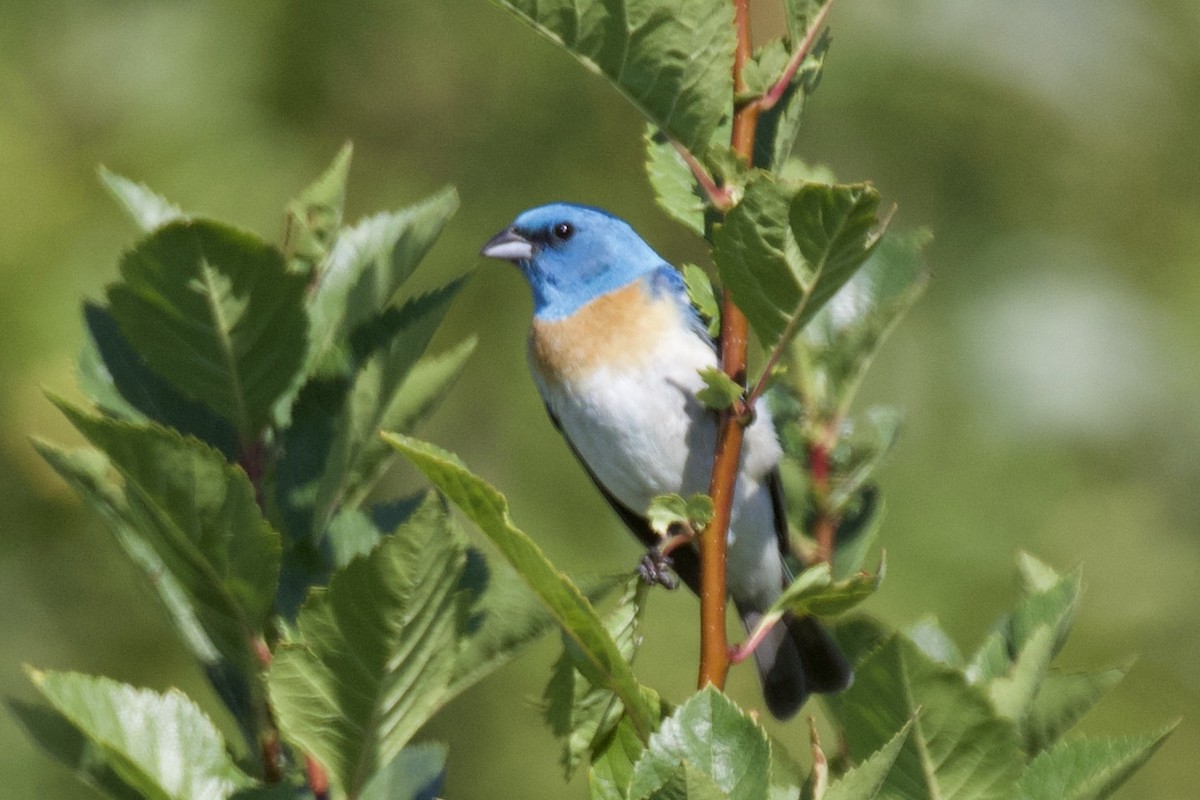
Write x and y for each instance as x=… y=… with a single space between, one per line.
x=618 y=329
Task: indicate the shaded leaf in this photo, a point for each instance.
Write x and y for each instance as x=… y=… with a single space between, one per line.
x=934 y=642
x=87 y=473
x=775 y=134
x=331 y=445
x=673 y=59
x=376 y=651
x=120 y=381
x=612 y=763
x=1062 y=700
x=215 y=312
x=958 y=745
x=416 y=773
x=578 y=712
x=200 y=515
x=160 y=745
x=711 y=735
x=601 y=660
x=1087 y=769
x=865 y=780
x=55 y=734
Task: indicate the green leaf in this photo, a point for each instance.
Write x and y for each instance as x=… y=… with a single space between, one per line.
x=87 y=473
x=687 y=783
x=366 y=267
x=934 y=642
x=716 y=739
x=775 y=134
x=865 y=780
x=55 y=734
x=601 y=660
x=1062 y=700
x=419 y=393
x=673 y=59
x=757 y=258
x=666 y=510
x=330 y=449
x=958 y=747
x=704 y=298
x=1013 y=694
x=832 y=226
x=504 y=617
x=1087 y=769
x=814 y=591
x=675 y=187
x=146 y=208
x=857 y=533
x=314 y=217
x=720 y=391
x=119 y=381
x=200 y=516
x=376 y=651
x=843 y=338
x=416 y=773
x=1054 y=606
x=160 y=745
x=214 y=311
x=612 y=763
x=578 y=712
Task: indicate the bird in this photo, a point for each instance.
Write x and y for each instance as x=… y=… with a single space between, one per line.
x=615 y=349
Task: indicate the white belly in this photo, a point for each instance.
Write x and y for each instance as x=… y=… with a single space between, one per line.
x=642 y=433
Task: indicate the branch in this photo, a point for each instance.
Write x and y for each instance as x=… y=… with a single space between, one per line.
x=714 y=648
x=772 y=96
x=720 y=197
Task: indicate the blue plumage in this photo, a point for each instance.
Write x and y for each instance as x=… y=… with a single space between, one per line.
x=616 y=350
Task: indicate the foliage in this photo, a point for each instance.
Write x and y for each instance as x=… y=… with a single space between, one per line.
x=237 y=389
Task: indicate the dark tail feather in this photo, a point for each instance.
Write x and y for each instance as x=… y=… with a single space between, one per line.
x=795 y=659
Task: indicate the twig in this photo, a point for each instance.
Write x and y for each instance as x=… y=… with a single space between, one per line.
x=772 y=96
x=721 y=198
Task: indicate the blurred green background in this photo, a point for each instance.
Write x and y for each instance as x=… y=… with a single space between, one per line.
x=1050 y=376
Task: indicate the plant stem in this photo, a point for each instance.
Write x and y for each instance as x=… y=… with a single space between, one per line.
x=714 y=648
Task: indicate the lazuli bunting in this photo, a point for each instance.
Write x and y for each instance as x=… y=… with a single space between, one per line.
x=615 y=349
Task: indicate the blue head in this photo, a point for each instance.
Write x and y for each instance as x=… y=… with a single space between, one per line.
x=572 y=254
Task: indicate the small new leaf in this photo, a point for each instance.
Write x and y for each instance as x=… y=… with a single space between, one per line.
x=720 y=391
x=703 y=297
x=665 y=511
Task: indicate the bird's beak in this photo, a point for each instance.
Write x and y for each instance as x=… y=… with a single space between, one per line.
x=508 y=245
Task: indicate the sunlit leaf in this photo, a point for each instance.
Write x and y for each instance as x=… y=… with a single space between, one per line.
x=711 y=735
x=673 y=59
x=1087 y=769
x=376 y=651
x=143 y=205
x=159 y=745
x=601 y=660
x=958 y=745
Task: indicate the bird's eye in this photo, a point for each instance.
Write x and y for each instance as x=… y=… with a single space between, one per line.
x=563 y=231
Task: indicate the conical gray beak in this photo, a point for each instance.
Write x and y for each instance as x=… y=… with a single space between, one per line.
x=509 y=246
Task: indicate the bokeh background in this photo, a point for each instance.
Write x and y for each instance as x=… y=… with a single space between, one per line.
x=1050 y=376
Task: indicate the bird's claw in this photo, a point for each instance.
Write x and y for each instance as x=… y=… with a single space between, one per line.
x=655 y=568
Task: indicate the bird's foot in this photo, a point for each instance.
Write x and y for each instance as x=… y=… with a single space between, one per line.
x=655 y=568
